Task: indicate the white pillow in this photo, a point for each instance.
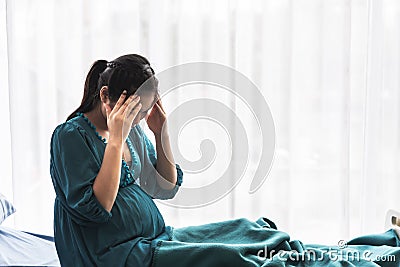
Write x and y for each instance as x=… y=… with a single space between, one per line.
x=6 y=208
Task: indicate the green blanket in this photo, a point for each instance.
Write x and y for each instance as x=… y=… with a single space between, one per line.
x=243 y=243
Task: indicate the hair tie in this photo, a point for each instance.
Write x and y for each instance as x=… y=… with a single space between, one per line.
x=112 y=64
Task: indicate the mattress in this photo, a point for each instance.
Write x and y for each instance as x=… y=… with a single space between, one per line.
x=18 y=248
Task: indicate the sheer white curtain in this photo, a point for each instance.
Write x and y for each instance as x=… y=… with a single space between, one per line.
x=5 y=154
x=328 y=69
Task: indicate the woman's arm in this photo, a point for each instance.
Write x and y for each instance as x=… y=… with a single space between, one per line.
x=105 y=186
x=165 y=161
x=157 y=122
x=119 y=121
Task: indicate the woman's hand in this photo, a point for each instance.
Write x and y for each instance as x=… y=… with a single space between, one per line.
x=121 y=116
x=157 y=118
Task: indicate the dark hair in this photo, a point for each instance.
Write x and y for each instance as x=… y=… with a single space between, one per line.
x=126 y=72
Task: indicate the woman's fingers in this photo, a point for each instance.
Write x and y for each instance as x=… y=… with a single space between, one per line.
x=132 y=111
x=108 y=110
x=120 y=100
x=160 y=105
x=160 y=109
x=131 y=99
x=133 y=103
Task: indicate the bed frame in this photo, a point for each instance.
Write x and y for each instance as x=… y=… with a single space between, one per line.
x=393 y=221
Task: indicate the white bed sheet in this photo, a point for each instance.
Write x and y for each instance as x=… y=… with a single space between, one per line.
x=18 y=248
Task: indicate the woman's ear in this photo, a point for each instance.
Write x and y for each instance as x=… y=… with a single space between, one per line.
x=104 y=96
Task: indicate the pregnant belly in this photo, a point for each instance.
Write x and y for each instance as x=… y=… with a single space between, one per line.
x=136 y=213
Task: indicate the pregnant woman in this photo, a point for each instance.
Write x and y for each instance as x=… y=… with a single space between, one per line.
x=105 y=170
x=106 y=173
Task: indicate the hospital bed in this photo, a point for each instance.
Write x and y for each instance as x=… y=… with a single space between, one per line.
x=19 y=248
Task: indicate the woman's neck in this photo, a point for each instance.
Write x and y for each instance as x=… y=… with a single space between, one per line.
x=97 y=118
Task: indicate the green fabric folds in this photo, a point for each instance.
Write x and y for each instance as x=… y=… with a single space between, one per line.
x=243 y=243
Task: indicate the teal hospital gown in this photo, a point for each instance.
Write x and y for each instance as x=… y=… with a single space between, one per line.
x=85 y=233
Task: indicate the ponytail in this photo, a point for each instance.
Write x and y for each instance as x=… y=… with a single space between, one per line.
x=90 y=93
